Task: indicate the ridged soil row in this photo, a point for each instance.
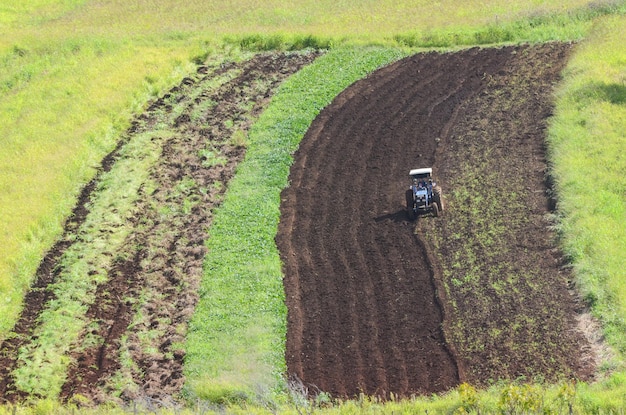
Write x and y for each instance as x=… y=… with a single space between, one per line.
x=363 y=313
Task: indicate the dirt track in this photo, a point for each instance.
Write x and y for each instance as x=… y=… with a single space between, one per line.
x=369 y=306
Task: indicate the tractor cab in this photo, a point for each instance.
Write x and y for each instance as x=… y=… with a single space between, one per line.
x=422 y=180
x=421 y=175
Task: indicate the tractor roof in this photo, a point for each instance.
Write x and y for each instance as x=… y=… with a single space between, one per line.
x=425 y=172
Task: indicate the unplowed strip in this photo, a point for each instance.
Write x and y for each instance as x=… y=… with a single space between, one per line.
x=513 y=312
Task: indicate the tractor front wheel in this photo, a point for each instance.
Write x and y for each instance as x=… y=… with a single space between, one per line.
x=435 y=208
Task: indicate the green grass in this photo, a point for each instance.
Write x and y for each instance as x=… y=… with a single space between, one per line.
x=587 y=143
x=511 y=398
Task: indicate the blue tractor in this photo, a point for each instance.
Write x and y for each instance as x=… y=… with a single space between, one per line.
x=423 y=196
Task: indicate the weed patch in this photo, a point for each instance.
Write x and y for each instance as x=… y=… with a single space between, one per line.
x=494 y=243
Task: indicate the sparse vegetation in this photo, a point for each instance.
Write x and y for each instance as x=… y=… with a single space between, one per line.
x=498 y=210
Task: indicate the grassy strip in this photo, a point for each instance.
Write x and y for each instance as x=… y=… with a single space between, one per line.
x=587 y=141
x=62 y=116
x=27 y=12
x=361 y=20
x=84 y=265
x=538 y=26
x=236 y=339
x=502 y=399
x=533 y=26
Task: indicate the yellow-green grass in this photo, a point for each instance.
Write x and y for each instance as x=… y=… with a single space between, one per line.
x=17 y=13
x=417 y=22
x=587 y=150
x=564 y=398
x=55 y=126
x=365 y=19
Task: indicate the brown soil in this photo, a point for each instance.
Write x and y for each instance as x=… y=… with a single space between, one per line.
x=151 y=290
x=371 y=307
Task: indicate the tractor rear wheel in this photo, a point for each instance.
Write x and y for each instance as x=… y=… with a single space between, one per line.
x=435 y=209
x=410 y=204
x=438 y=198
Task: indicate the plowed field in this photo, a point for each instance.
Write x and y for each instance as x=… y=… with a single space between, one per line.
x=380 y=304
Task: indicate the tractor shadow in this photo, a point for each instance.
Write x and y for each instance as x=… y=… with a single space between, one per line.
x=401 y=216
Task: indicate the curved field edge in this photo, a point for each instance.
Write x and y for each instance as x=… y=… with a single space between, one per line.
x=235 y=344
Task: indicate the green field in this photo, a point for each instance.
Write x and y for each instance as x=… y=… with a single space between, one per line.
x=74 y=72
